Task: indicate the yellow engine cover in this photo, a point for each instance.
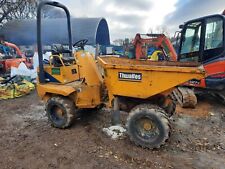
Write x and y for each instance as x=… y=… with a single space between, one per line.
x=80 y=81
x=62 y=74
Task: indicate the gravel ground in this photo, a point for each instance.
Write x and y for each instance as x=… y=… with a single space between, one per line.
x=29 y=142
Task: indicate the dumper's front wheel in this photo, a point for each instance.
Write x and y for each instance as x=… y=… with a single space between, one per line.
x=148 y=126
x=60 y=111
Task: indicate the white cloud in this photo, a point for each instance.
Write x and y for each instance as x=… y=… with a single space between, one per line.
x=125 y=18
x=191 y=9
x=157 y=14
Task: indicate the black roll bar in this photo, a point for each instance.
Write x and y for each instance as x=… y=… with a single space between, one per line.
x=39 y=38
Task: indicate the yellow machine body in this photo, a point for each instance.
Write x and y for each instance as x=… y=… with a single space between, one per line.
x=63 y=74
x=122 y=77
x=144 y=79
x=80 y=81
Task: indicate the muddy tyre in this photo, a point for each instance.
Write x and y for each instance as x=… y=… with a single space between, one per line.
x=60 y=112
x=170 y=108
x=148 y=126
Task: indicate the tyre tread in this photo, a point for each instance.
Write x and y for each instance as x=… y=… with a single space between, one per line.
x=69 y=107
x=158 y=111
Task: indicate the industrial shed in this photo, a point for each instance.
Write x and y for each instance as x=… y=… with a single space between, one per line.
x=23 y=32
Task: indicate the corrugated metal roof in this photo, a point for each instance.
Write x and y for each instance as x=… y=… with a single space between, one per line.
x=23 y=32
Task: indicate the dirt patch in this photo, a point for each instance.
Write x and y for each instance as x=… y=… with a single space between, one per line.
x=206 y=106
x=28 y=141
x=202 y=110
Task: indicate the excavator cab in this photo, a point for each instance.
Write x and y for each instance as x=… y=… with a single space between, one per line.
x=202 y=39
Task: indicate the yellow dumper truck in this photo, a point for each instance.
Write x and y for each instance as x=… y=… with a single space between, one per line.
x=74 y=80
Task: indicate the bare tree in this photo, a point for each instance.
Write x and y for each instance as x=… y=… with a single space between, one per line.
x=25 y=9
x=118 y=42
x=159 y=30
x=163 y=29
x=17 y=9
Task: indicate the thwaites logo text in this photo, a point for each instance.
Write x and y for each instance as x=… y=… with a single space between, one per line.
x=129 y=76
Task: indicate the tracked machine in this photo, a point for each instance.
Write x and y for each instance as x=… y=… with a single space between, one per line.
x=202 y=40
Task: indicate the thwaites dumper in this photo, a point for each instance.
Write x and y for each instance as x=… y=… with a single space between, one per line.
x=73 y=81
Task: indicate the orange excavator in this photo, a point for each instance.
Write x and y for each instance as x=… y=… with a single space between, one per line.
x=160 y=42
x=16 y=48
x=11 y=57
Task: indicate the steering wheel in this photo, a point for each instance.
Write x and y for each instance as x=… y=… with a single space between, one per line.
x=80 y=43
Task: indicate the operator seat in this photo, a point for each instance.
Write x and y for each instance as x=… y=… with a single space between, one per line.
x=66 y=57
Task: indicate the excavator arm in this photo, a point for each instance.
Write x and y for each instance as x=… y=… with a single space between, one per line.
x=157 y=40
x=18 y=51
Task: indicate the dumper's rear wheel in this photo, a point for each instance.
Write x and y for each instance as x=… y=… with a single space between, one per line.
x=148 y=126
x=60 y=111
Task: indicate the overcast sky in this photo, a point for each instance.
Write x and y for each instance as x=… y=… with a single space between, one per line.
x=127 y=17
